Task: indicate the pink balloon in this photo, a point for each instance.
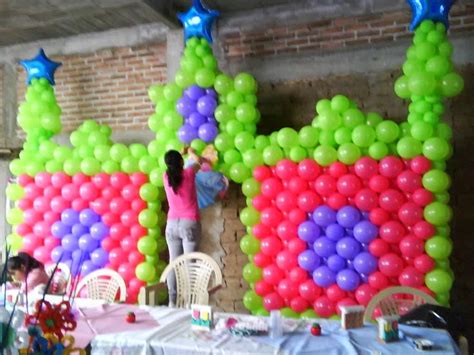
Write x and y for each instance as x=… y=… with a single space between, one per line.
x=262 y=288
x=137 y=231
x=69 y=192
x=31 y=243
x=128 y=244
x=273 y=301
x=130 y=192
x=42 y=254
x=271 y=187
x=127 y=271
x=296 y=216
x=286 y=260
x=59 y=179
x=25 y=204
x=23 y=229
x=286 y=169
x=117 y=256
x=366 y=200
x=88 y=191
x=424 y=230
x=50 y=192
x=286 y=201
x=422 y=197
x=296 y=246
x=109 y=244
x=42 y=229
x=336 y=201
x=273 y=275
x=309 y=290
x=298 y=274
x=379 y=183
x=271 y=246
x=287 y=289
x=408 y=181
x=411 y=277
x=366 y=167
x=262 y=260
x=118 y=231
x=41 y=204
x=299 y=304
x=325 y=185
x=24 y=180
x=101 y=180
x=100 y=206
x=110 y=192
x=271 y=217
x=31 y=217
x=392 y=232
x=364 y=294
x=346 y=302
x=138 y=205
x=80 y=179
x=135 y=285
x=51 y=242
x=391 y=200
x=297 y=184
x=424 y=263
x=261 y=231
x=335 y=293
x=32 y=191
x=420 y=165
x=391 y=265
x=129 y=218
x=43 y=179
x=260 y=202
x=59 y=204
x=379 y=247
x=50 y=217
x=119 y=180
x=308 y=169
x=79 y=204
x=135 y=258
x=118 y=205
x=324 y=307
x=308 y=201
x=110 y=218
x=348 y=185
x=390 y=166
x=261 y=173
x=410 y=213
x=138 y=179
x=287 y=230
x=337 y=169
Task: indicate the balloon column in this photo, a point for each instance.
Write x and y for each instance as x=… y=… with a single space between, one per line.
x=336 y=211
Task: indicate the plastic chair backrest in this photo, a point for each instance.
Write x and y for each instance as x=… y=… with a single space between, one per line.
x=150 y=295
x=391 y=306
x=103 y=284
x=194 y=272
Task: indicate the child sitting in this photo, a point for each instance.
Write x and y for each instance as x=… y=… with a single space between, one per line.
x=29 y=272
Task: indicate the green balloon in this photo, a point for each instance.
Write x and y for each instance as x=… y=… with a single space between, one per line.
x=378 y=150
x=118 y=152
x=224 y=142
x=47 y=148
x=148 y=218
x=327 y=138
x=138 y=150
x=249 y=245
x=246 y=113
x=249 y=216
x=387 y=131
x=14 y=216
x=251 y=273
x=363 y=135
x=452 y=84
x=353 y=117
x=252 y=301
x=287 y=137
x=90 y=166
x=147 y=163
x=14 y=241
x=329 y=120
x=325 y=155
x=145 y=272
x=110 y=166
x=232 y=156
x=425 y=50
x=309 y=314
x=72 y=166
x=239 y=172
x=85 y=151
x=422 y=83
x=129 y=164
x=16 y=167
x=224 y=113
x=234 y=98
x=308 y=136
x=443 y=299
x=323 y=106
x=438 y=247
x=149 y=192
x=298 y=154
x=443 y=197
x=340 y=103
x=272 y=155
x=444 y=131
x=15 y=192
x=348 y=153
x=223 y=84
x=234 y=127
x=289 y=313
x=147 y=246
x=409 y=147
x=438 y=213
x=245 y=83
x=101 y=153
x=438 y=65
x=252 y=158
x=401 y=87
x=421 y=130
x=251 y=187
x=436 y=181
x=436 y=148
x=343 y=135
x=205 y=77
x=412 y=66
x=439 y=281
x=373 y=119
x=244 y=141
x=261 y=142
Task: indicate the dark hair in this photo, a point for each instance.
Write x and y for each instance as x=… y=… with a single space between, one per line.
x=174 y=162
x=23 y=259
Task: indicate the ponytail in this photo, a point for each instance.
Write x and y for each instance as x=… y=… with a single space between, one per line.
x=174 y=163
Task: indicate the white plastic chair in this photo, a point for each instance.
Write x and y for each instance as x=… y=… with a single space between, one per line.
x=391 y=306
x=103 y=284
x=62 y=275
x=193 y=275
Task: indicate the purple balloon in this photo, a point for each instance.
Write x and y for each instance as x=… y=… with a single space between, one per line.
x=364 y=278
x=334 y=232
x=59 y=229
x=348 y=216
x=348 y=248
x=324 y=276
x=187 y=133
x=365 y=231
x=194 y=92
x=308 y=260
x=99 y=257
x=69 y=242
x=185 y=106
x=79 y=229
x=309 y=231
x=336 y=263
x=87 y=243
x=324 y=247
x=69 y=217
x=212 y=120
x=365 y=263
x=206 y=105
x=324 y=216
x=207 y=132
x=348 y=280
x=59 y=253
x=196 y=119
x=88 y=217
x=87 y=267
x=365 y=215
x=99 y=231
x=211 y=92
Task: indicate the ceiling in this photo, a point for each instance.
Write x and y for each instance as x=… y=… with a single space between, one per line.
x=30 y=20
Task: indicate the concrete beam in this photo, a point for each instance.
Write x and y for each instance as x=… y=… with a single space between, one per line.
x=174 y=51
x=165 y=12
x=10 y=108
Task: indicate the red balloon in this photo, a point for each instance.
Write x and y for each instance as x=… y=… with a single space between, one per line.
x=130 y=192
x=366 y=200
x=271 y=217
x=262 y=260
x=391 y=200
x=286 y=201
x=308 y=169
x=379 y=247
x=109 y=244
x=110 y=192
x=324 y=307
x=138 y=179
x=378 y=281
x=273 y=274
x=128 y=243
x=32 y=191
x=117 y=256
x=23 y=229
x=88 y=191
x=59 y=179
x=129 y=218
x=137 y=231
x=135 y=285
x=296 y=246
x=337 y=169
x=287 y=289
x=41 y=229
x=80 y=179
x=271 y=187
x=58 y=204
x=30 y=243
x=366 y=167
x=262 y=288
x=119 y=180
x=273 y=301
x=42 y=254
x=296 y=216
x=364 y=294
x=271 y=246
x=411 y=277
x=31 y=217
x=118 y=231
x=298 y=274
x=43 y=179
x=348 y=185
x=390 y=166
x=100 y=206
x=424 y=263
x=379 y=183
x=118 y=205
x=309 y=290
x=422 y=197
x=412 y=246
x=24 y=180
x=127 y=271
x=51 y=242
x=346 y=302
x=336 y=201
x=110 y=218
x=408 y=181
x=69 y=192
x=325 y=185
x=50 y=192
x=335 y=293
x=391 y=265
x=41 y=204
x=410 y=214
x=299 y=304
x=424 y=230
x=101 y=180
x=420 y=165
x=261 y=231
x=261 y=173
x=286 y=169
x=50 y=217
x=287 y=230
x=286 y=260
x=138 y=205
x=79 y=204
x=379 y=216
x=25 y=204
x=297 y=184
x=308 y=201
x=261 y=202
x=135 y=258
x=392 y=232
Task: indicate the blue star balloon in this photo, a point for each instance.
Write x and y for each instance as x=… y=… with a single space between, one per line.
x=40 y=67
x=436 y=10
x=198 y=21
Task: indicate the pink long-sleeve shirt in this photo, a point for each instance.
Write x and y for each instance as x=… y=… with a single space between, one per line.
x=35 y=278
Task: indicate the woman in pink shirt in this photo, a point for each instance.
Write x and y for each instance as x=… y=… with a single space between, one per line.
x=29 y=271
x=183 y=229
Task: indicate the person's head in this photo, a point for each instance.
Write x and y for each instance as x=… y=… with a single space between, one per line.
x=174 y=162
x=19 y=266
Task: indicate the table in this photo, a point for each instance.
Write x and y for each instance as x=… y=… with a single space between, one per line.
x=173 y=335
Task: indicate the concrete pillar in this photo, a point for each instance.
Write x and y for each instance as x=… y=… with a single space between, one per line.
x=174 y=51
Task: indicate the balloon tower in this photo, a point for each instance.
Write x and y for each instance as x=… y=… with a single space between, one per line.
x=336 y=211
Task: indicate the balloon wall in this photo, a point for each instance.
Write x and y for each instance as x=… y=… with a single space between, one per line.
x=336 y=211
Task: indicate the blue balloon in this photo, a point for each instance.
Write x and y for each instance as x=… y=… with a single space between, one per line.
x=348 y=280
x=348 y=248
x=308 y=260
x=334 y=232
x=348 y=216
x=323 y=276
x=309 y=231
x=185 y=106
x=59 y=229
x=324 y=247
x=196 y=119
x=324 y=216
x=88 y=217
x=79 y=229
x=70 y=217
x=40 y=67
x=87 y=243
x=60 y=253
x=87 y=267
x=436 y=10
x=99 y=231
x=69 y=243
x=336 y=263
x=206 y=105
x=99 y=257
x=365 y=231
x=194 y=92
x=197 y=21
x=365 y=263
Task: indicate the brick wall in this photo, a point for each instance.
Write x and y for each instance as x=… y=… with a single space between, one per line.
x=2 y=122
x=109 y=86
x=323 y=35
